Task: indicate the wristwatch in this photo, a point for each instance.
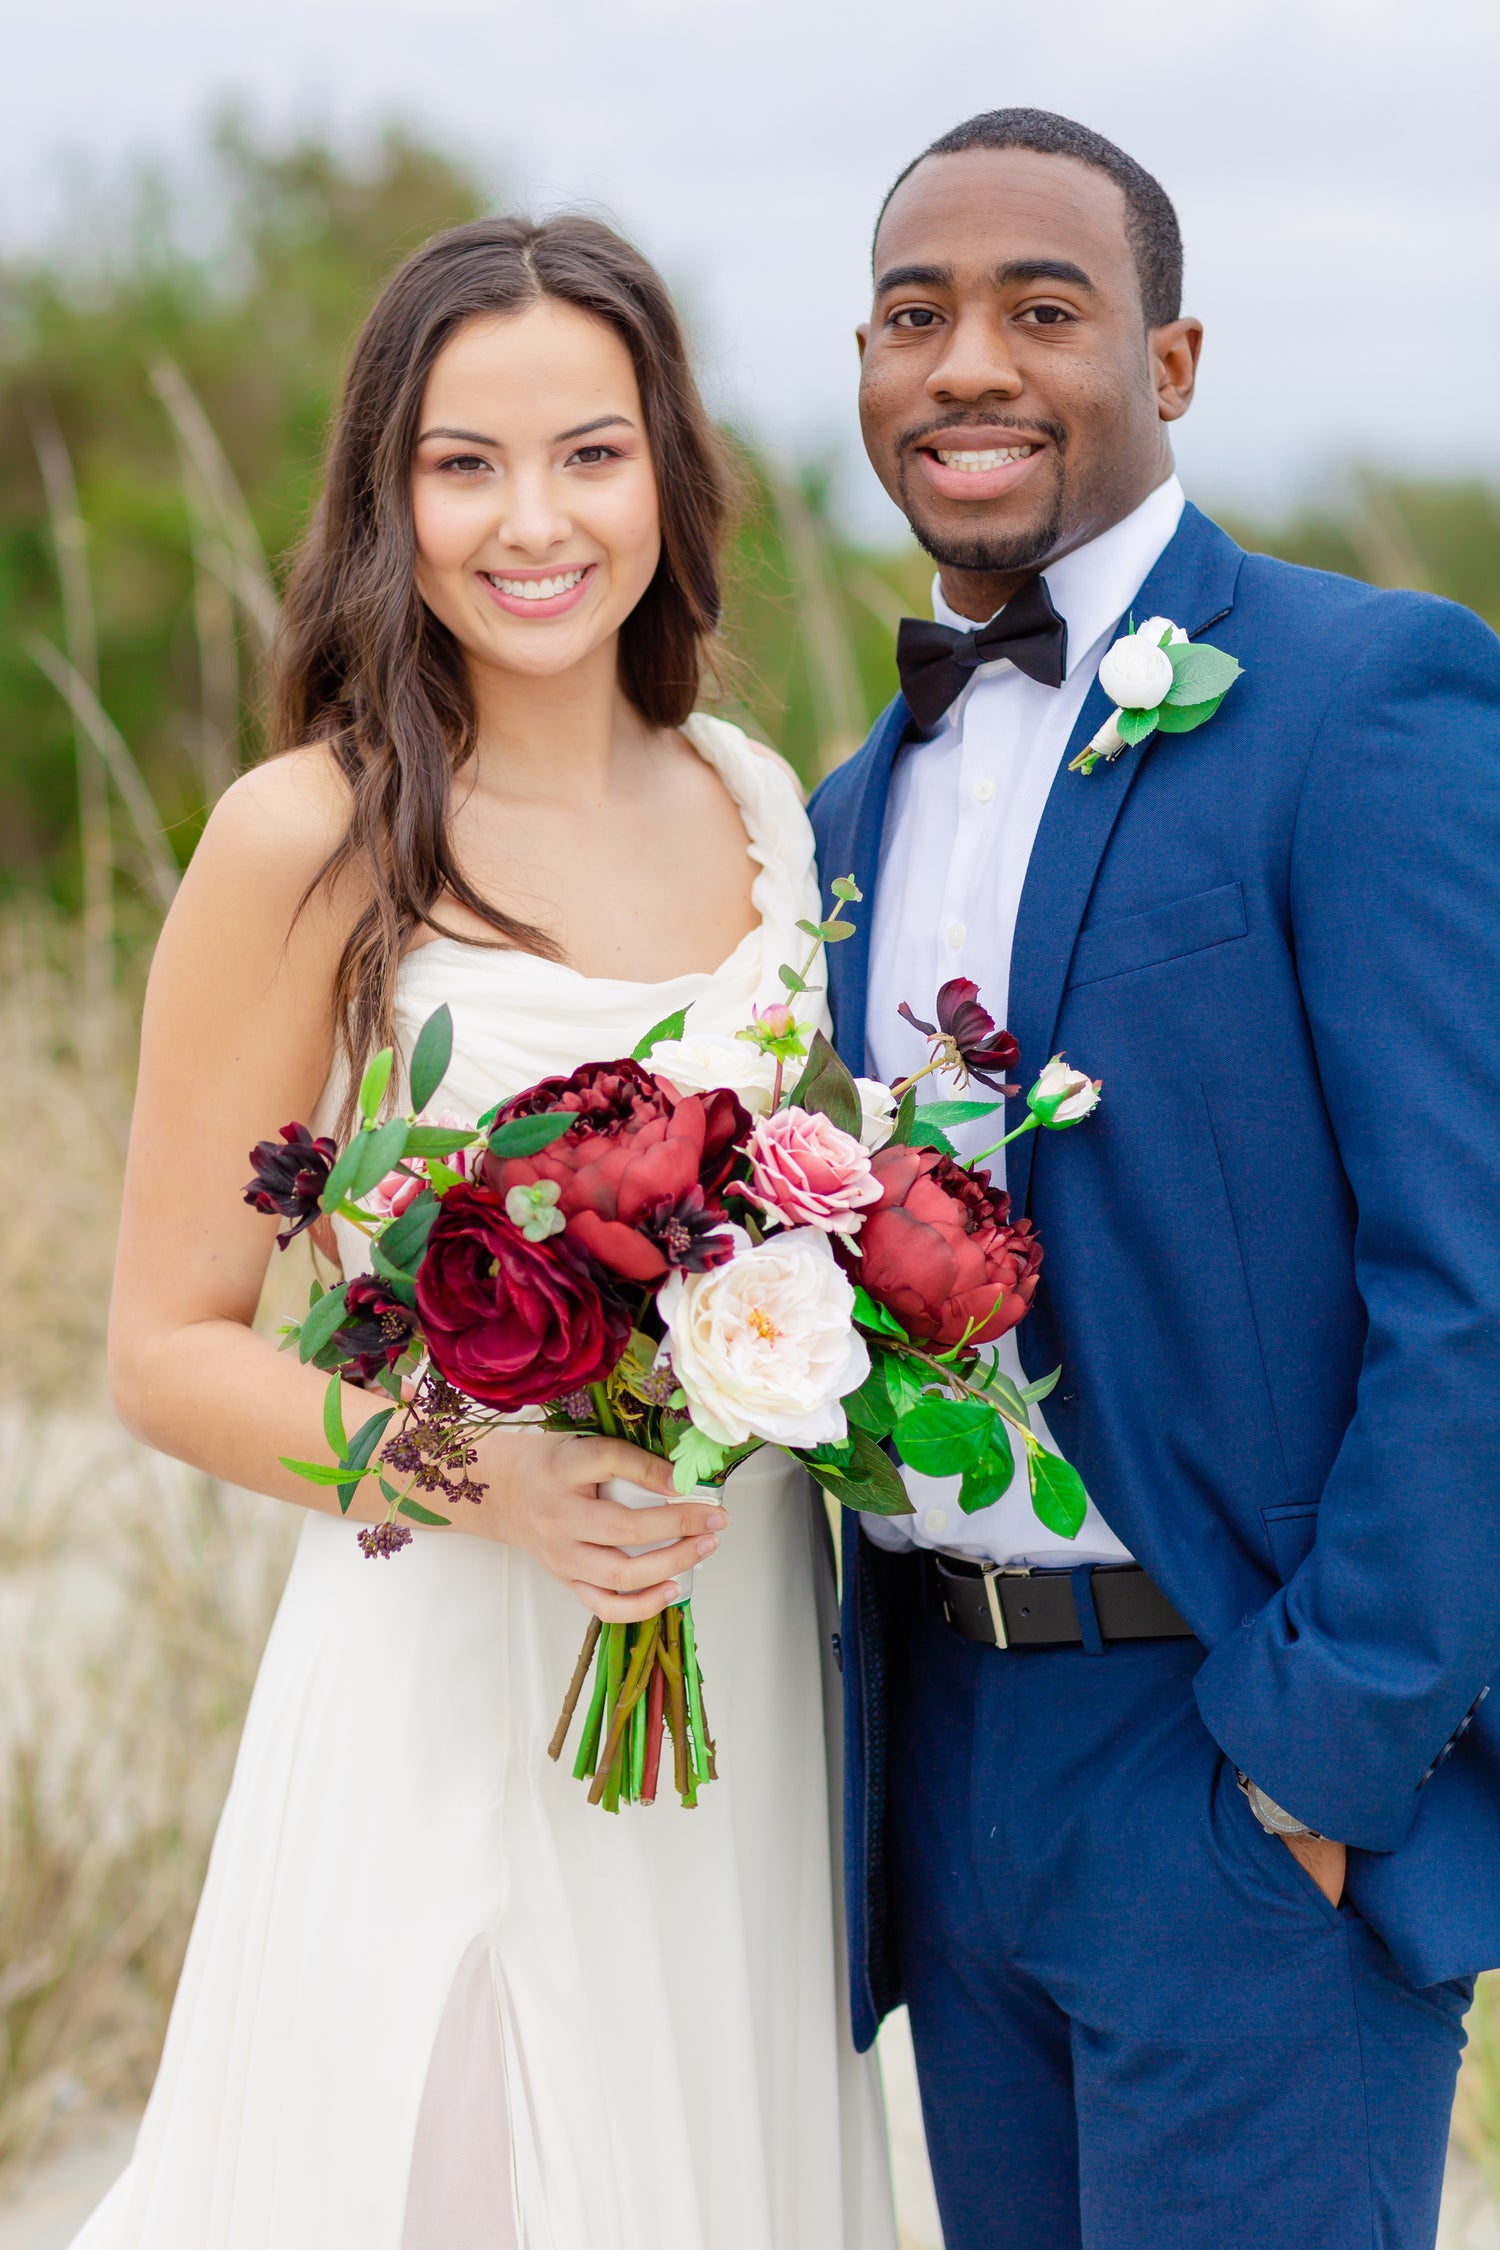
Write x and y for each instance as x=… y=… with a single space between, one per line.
x=1274 y=1819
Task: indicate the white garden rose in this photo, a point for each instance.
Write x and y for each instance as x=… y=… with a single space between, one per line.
x=1136 y=673
x=877 y=1112
x=1062 y=1095
x=1156 y=629
x=766 y=1346
x=705 y=1059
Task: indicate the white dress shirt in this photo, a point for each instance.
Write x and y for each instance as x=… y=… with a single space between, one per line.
x=962 y=818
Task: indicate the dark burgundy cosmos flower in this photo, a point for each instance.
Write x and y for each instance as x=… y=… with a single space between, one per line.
x=940 y=1250
x=640 y=1173
x=290 y=1177
x=380 y=1328
x=970 y=1031
x=509 y=1322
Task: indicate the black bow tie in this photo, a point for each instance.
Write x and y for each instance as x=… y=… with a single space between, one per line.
x=935 y=661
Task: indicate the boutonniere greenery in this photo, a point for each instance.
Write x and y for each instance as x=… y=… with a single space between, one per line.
x=1157 y=679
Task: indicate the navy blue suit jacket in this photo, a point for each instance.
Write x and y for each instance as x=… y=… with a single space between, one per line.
x=1272 y=1273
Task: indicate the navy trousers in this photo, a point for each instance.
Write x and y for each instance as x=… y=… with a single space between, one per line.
x=1138 y=2023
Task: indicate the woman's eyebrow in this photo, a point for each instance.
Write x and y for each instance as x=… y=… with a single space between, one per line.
x=465 y=437
x=601 y=422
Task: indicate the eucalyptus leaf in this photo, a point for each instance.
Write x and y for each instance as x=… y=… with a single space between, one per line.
x=670 y=1027
x=827 y=1088
x=374 y=1083
x=844 y=887
x=1136 y=726
x=941 y=1437
x=955 y=1113
x=834 y=931
x=984 y=1484
x=401 y=1244
x=325 y=1317
x=524 y=1136
x=1057 y=1496
x=812 y=930
x=791 y=979
x=431 y=1056
x=1200 y=672
x=1181 y=718
x=419 y=1514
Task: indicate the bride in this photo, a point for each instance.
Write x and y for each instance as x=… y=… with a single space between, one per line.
x=434 y=2000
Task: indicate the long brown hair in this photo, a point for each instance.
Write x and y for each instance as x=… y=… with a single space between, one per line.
x=364 y=665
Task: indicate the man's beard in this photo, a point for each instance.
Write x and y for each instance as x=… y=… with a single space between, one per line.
x=999 y=556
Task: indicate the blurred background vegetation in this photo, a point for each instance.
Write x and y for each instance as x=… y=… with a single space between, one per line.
x=166 y=378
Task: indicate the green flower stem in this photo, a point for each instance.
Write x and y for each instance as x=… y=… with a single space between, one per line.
x=972 y=1390
x=682 y=1772
x=694 y=1680
x=606 y=1788
x=638 y=1744
x=604 y=1410
x=944 y=1061
x=593 y=1726
x=1030 y=1125
x=575 y=1688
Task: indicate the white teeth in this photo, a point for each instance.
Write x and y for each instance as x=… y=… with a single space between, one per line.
x=536 y=589
x=994 y=457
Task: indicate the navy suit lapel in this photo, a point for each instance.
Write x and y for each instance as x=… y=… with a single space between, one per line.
x=855 y=850
x=1193 y=584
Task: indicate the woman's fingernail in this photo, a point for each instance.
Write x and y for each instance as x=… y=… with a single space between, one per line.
x=706 y=1547
x=716 y=1519
x=676 y=1586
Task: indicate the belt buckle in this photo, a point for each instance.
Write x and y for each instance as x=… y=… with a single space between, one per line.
x=993 y=1573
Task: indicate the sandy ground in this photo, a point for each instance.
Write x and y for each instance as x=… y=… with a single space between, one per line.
x=50 y=2206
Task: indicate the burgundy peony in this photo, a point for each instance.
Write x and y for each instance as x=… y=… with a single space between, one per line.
x=639 y=1174
x=378 y=1329
x=968 y=1028
x=940 y=1251
x=290 y=1176
x=512 y=1323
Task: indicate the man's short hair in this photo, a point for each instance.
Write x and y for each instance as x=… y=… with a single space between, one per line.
x=1151 y=226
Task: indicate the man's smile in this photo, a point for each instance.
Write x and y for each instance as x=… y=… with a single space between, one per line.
x=961 y=466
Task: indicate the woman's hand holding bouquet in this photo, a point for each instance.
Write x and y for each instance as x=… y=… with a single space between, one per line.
x=647 y=1269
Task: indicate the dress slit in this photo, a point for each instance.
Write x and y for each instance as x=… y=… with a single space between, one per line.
x=463 y=2191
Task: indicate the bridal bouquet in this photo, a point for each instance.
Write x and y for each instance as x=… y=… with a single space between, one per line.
x=713 y=1244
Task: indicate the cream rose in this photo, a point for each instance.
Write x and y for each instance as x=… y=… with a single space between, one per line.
x=705 y=1059
x=766 y=1345
x=1136 y=673
x=877 y=1112
x=1062 y=1096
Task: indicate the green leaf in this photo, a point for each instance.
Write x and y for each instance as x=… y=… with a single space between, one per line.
x=826 y=1087
x=988 y=1479
x=492 y=1113
x=1057 y=1496
x=905 y=1380
x=871 y=1484
x=901 y=1123
x=333 y=1418
x=845 y=887
x=419 y=1514
x=870 y=1315
x=374 y=1083
x=871 y=1406
x=357 y=1455
x=955 y=1113
x=430 y=1057
x=325 y=1317
x=790 y=978
x=834 y=932
x=442 y=1175
x=436 y=1140
x=320 y=1472
x=696 y=1459
x=1200 y=673
x=401 y=1244
x=923 y=1135
x=812 y=930
x=1042 y=1388
x=1005 y=1390
x=941 y=1437
x=370 y=1155
x=670 y=1027
x=523 y=1136
x=1181 y=718
x=1136 y=726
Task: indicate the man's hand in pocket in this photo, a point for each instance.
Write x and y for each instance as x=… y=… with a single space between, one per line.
x=1324 y=1862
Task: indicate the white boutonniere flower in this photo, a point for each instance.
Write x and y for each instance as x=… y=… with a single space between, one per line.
x=1157 y=679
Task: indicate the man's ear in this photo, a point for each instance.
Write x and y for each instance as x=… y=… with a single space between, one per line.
x=862 y=337
x=1174 y=349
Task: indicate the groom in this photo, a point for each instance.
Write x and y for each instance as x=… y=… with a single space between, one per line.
x=1181 y=1843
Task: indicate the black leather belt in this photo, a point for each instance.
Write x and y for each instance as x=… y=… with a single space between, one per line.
x=1039 y=1609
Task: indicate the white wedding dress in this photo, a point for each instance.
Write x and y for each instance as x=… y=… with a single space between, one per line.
x=433 y=1999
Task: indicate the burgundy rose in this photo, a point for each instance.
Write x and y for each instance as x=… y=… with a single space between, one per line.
x=290 y=1176
x=969 y=1030
x=639 y=1174
x=378 y=1330
x=940 y=1251
x=509 y=1322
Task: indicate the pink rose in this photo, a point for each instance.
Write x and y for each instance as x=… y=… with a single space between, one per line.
x=806 y=1172
x=398 y=1190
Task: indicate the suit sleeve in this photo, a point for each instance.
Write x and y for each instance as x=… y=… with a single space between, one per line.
x=1339 y=1695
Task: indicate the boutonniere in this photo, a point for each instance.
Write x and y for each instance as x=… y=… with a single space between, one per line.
x=1157 y=678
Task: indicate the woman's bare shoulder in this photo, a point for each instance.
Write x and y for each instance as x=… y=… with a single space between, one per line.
x=266 y=842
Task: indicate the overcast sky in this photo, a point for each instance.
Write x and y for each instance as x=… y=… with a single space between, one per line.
x=1336 y=164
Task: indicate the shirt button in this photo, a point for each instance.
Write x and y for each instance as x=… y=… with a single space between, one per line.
x=983 y=791
x=935 y=1521
x=955 y=934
